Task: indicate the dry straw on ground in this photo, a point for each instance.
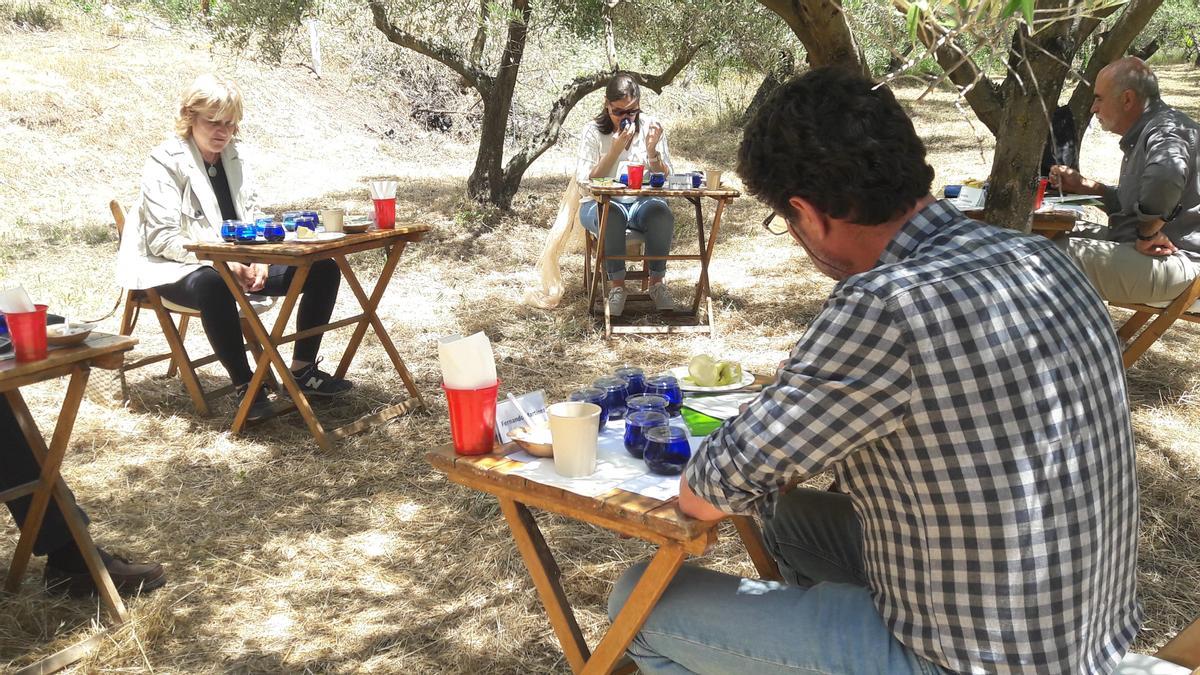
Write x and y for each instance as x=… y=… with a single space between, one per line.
x=285 y=558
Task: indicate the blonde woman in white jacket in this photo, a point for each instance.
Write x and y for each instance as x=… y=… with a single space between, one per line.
x=192 y=182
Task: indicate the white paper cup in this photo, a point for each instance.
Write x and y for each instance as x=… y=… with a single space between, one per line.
x=712 y=179
x=331 y=219
x=574 y=429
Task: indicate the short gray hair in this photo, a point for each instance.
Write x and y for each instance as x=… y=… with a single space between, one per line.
x=1133 y=74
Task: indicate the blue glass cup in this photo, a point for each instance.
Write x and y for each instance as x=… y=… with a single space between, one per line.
x=316 y=218
x=667 y=450
x=593 y=395
x=645 y=402
x=229 y=230
x=246 y=232
x=616 y=390
x=260 y=225
x=636 y=426
x=696 y=178
x=274 y=232
x=634 y=376
x=289 y=220
x=667 y=387
x=657 y=180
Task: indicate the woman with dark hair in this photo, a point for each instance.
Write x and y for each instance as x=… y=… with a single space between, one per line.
x=619 y=136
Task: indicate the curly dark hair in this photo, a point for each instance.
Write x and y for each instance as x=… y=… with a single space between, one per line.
x=836 y=139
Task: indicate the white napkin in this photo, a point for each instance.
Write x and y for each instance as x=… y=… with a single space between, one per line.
x=383 y=189
x=14 y=299
x=467 y=362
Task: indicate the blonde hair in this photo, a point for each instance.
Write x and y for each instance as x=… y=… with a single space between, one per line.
x=215 y=98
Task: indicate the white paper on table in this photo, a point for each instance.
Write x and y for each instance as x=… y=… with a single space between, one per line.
x=509 y=418
x=467 y=362
x=970 y=198
x=614 y=468
x=722 y=406
x=14 y=300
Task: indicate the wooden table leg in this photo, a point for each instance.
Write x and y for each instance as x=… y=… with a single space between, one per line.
x=641 y=602
x=371 y=316
x=752 y=539
x=599 y=273
x=706 y=251
x=50 y=484
x=270 y=353
x=545 y=573
x=381 y=284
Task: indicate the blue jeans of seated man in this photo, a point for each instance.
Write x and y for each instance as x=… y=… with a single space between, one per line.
x=821 y=621
x=649 y=215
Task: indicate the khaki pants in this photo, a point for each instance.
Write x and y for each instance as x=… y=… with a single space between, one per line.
x=1121 y=274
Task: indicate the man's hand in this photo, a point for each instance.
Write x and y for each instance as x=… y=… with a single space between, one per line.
x=1066 y=178
x=1160 y=245
x=695 y=506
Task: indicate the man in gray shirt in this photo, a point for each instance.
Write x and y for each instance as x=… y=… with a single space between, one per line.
x=1150 y=250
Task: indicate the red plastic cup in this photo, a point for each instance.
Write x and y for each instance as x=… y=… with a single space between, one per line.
x=1041 y=193
x=472 y=418
x=635 y=176
x=28 y=332
x=385 y=213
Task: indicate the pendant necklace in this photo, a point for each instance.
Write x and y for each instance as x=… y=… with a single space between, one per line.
x=212 y=169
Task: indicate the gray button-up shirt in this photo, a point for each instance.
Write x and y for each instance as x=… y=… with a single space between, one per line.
x=1160 y=171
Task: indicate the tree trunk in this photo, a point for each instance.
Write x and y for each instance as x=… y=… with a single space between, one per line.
x=779 y=73
x=823 y=30
x=1030 y=95
x=487 y=182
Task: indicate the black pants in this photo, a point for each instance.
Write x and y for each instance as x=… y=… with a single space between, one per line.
x=206 y=291
x=18 y=466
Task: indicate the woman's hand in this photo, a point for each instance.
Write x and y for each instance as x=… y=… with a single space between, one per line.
x=653 y=136
x=251 y=277
x=624 y=137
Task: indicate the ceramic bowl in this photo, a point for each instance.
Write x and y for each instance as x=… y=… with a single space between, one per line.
x=535 y=442
x=62 y=335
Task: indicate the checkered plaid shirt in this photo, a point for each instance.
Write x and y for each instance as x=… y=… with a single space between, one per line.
x=968 y=394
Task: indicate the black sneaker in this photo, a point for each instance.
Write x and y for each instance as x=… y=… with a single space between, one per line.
x=315 y=382
x=260 y=408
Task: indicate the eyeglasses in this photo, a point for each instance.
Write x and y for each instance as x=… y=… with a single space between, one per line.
x=626 y=112
x=773 y=226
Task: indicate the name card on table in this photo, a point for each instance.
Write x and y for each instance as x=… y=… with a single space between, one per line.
x=509 y=418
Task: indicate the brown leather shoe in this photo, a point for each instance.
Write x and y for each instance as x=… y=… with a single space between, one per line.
x=129 y=577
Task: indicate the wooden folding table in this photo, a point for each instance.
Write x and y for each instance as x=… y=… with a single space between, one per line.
x=685 y=320
x=658 y=522
x=101 y=351
x=302 y=255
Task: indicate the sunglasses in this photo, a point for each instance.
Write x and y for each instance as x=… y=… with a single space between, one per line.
x=776 y=227
x=626 y=112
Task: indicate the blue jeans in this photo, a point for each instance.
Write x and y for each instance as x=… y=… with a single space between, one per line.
x=821 y=621
x=648 y=215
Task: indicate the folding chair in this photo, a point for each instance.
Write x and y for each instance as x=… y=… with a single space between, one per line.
x=180 y=362
x=1181 y=308
x=634 y=243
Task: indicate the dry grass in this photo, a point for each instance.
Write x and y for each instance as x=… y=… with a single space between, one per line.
x=285 y=558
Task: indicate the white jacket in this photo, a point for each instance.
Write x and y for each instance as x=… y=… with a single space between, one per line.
x=177 y=206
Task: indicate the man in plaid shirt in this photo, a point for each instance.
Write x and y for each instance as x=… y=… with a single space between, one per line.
x=963 y=384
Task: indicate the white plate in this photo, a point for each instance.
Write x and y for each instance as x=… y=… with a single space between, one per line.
x=681 y=372
x=321 y=236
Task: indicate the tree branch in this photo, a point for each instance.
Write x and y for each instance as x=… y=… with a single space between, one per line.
x=574 y=92
x=480 y=40
x=1114 y=45
x=973 y=84
x=473 y=76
